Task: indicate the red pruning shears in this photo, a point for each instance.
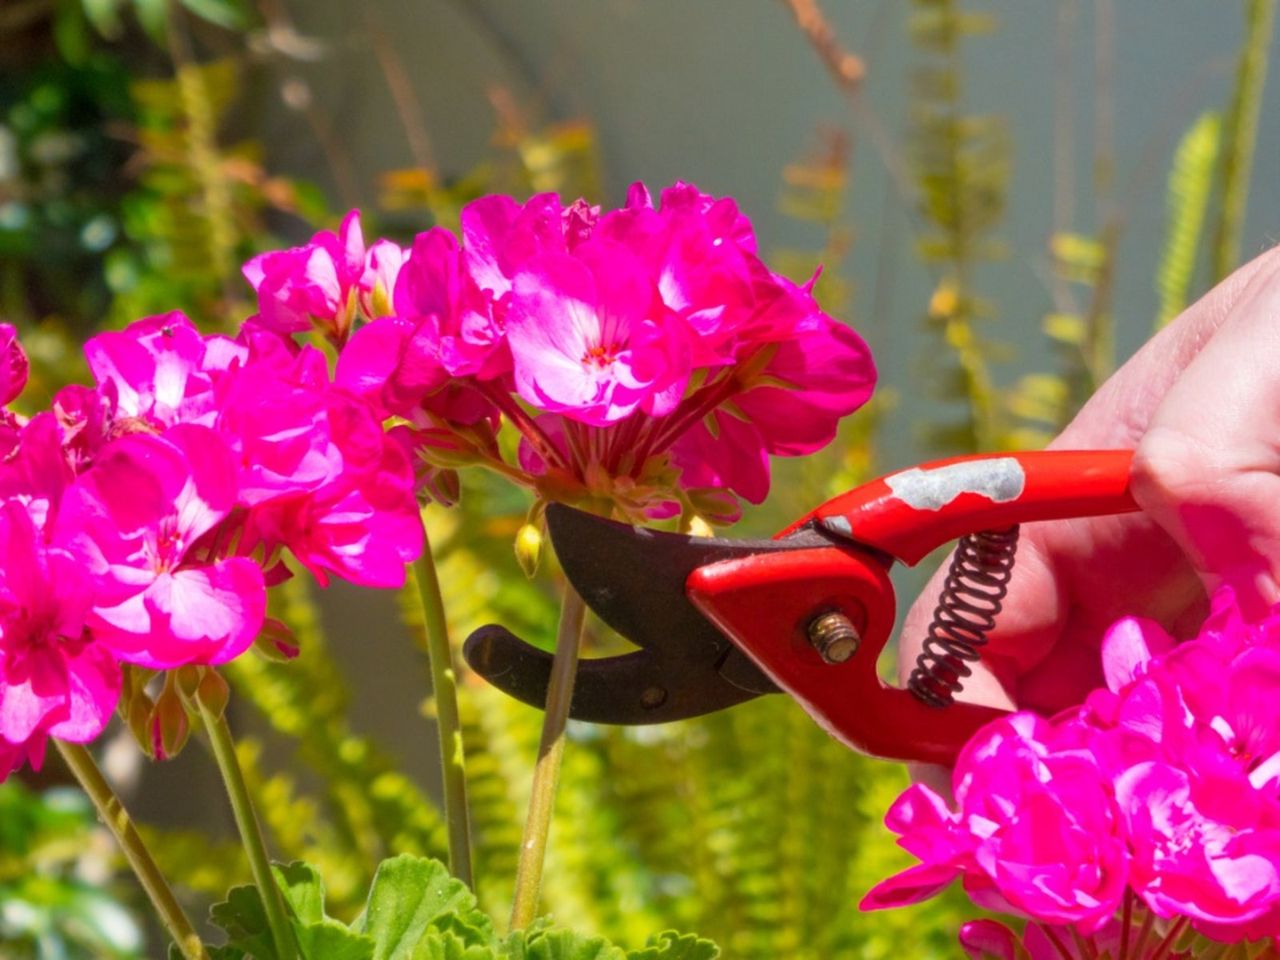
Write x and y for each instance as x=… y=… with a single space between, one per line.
x=721 y=621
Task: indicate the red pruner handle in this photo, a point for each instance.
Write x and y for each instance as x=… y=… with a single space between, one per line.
x=768 y=603
x=910 y=513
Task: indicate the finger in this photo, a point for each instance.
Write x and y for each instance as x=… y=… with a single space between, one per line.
x=1208 y=469
x=1119 y=413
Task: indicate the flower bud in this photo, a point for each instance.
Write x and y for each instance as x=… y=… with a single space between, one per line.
x=715 y=506
x=13 y=365
x=529 y=548
x=276 y=642
x=696 y=526
x=170 y=727
x=214 y=692
x=187 y=677
x=138 y=719
x=990 y=940
x=439 y=486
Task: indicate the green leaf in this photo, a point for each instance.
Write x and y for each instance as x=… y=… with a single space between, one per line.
x=1077 y=251
x=319 y=938
x=153 y=16
x=231 y=14
x=671 y=945
x=332 y=940
x=540 y=943
x=1067 y=328
x=1187 y=204
x=412 y=896
x=303 y=890
x=71 y=34
x=244 y=921
x=104 y=15
x=446 y=946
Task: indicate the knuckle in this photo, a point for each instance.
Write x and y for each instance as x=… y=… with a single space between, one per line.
x=1167 y=464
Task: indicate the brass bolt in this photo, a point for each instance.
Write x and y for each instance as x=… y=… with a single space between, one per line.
x=834 y=636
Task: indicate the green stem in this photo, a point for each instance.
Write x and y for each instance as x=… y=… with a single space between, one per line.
x=224 y=753
x=1171 y=937
x=444 y=686
x=1241 y=133
x=112 y=812
x=1056 y=941
x=546 y=773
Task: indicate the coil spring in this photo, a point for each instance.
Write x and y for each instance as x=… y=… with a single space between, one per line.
x=968 y=605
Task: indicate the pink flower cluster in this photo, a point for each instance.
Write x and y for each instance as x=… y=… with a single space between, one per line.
x=645 y=354
x=1161 y=793
x=143 y=518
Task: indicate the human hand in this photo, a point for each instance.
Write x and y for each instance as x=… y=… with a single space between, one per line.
x=1200 y=406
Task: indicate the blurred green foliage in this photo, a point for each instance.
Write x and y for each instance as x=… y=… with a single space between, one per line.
x=53 y=902
x=122 y=194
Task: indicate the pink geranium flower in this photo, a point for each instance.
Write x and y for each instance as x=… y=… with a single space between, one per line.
x=317 y=473
x=1204 y=846
x=647 y=355
x=274 y=415
x=383 y=262
x=55 y=680
x=593 y=344
x=140 y=521
x=395 y=366
x=362 y=522
x=37 y=470
x=161 y=370
x=462 y=326
x=1193 y=740
x=316 y=284
x=1182 y=752
x=1035 y=831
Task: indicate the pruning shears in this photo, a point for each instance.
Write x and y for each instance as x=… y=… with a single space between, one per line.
x=807 y=613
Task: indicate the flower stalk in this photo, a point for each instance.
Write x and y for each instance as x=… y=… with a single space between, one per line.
x=546 y=773
x=1170 y=938
x=444 y=686
x=112 y=813
x=224 y=753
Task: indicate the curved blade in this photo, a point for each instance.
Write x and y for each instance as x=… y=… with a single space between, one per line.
x=634 y=579
x=632 y=689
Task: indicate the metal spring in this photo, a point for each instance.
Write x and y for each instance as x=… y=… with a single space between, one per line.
x=967 y=608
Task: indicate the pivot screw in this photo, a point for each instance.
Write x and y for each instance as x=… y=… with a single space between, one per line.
x=653 y=697
x=834 y=636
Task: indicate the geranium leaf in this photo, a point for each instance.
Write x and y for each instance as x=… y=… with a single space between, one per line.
x=303 y=890
x=319 y=937
x=243 y=920
x=671 y=945
x=331 y=940
x=447 y=946
x=411 y=896
x=541 y=943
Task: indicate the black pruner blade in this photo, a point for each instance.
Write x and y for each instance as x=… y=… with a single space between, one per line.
x=634 y=579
